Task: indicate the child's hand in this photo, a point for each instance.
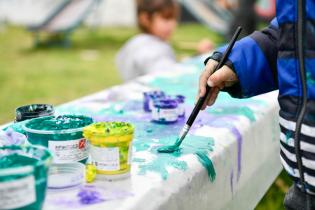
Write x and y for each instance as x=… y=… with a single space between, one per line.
x=224 y=77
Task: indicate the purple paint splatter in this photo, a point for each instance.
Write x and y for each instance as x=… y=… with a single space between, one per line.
x=225 y=122
x=89 y=195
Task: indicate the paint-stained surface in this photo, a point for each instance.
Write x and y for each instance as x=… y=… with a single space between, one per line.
x=224 y=153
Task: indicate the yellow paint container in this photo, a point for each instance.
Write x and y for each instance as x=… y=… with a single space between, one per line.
x=110 y=148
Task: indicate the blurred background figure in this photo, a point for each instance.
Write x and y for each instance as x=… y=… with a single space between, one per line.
x=150 y=51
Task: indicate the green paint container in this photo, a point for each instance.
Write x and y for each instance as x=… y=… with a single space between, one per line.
x=23 y=176
x=62 y=135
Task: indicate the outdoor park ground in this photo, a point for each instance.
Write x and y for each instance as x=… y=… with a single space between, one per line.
x=56 y=75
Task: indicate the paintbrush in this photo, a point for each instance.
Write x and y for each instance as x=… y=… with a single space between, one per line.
x=201 y=101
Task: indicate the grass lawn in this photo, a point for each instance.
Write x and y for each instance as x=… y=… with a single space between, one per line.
x=57 y=75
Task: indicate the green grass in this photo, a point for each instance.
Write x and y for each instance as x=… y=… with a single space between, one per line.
x=57 y=75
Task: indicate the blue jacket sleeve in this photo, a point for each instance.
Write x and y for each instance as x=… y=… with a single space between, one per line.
x=254 y=60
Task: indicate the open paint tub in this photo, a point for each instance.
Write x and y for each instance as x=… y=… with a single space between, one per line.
x=110 y=148
x=62 y=135
x=165 y=111
x=28 y=112
x=23 y=176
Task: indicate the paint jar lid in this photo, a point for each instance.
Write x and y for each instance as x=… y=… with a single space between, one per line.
x=180 y=98
x=165 y=103
x=105 y=129
x=63 y=124
x=33 y=111
x=154 y=94
x=66 y=175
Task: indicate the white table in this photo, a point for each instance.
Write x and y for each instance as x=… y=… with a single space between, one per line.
x=245 y=152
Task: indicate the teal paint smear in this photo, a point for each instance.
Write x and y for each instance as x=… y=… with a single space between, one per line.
x=234 y=110
x=170 y=148
x=178 y=85
x=288 y=135
x=199 y=146
x=224 y=99
x=310 y=80
x=70 y=109
x=83 y=110
x=141 y=146
x=160 y=163
x=204 y=160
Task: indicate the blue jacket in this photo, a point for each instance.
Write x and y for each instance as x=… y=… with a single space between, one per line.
x=282 y=56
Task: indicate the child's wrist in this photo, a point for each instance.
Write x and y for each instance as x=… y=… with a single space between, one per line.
x=217 y=57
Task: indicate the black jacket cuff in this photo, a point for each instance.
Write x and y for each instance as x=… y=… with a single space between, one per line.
x=235 y=90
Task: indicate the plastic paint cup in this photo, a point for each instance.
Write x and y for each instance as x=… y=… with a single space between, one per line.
x=110 y=148
x=66 y=175
x=181 y=109
x=33 y=111
x=149 y=97
x=23 y=176
x=62 y=135
x=165 y=111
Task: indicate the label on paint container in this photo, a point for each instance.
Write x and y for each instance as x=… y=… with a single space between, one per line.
x=151 y=104
x=69 y=151
x=17 y=193
x=181 y=110
x=105 y=158
x=167 y=115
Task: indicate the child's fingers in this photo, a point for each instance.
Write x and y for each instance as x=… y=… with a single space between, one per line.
x=213 y=96
x=221 y=76
x=205 y=76
x=206 y=101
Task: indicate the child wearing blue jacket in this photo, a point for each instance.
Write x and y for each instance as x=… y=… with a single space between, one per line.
x=282 y=56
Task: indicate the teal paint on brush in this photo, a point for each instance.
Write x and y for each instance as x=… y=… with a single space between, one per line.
x=170 y=148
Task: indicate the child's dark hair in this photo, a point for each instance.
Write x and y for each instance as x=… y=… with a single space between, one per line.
x=167 y=8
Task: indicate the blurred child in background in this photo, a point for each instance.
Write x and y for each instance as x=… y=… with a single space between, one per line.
x=150 y=51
